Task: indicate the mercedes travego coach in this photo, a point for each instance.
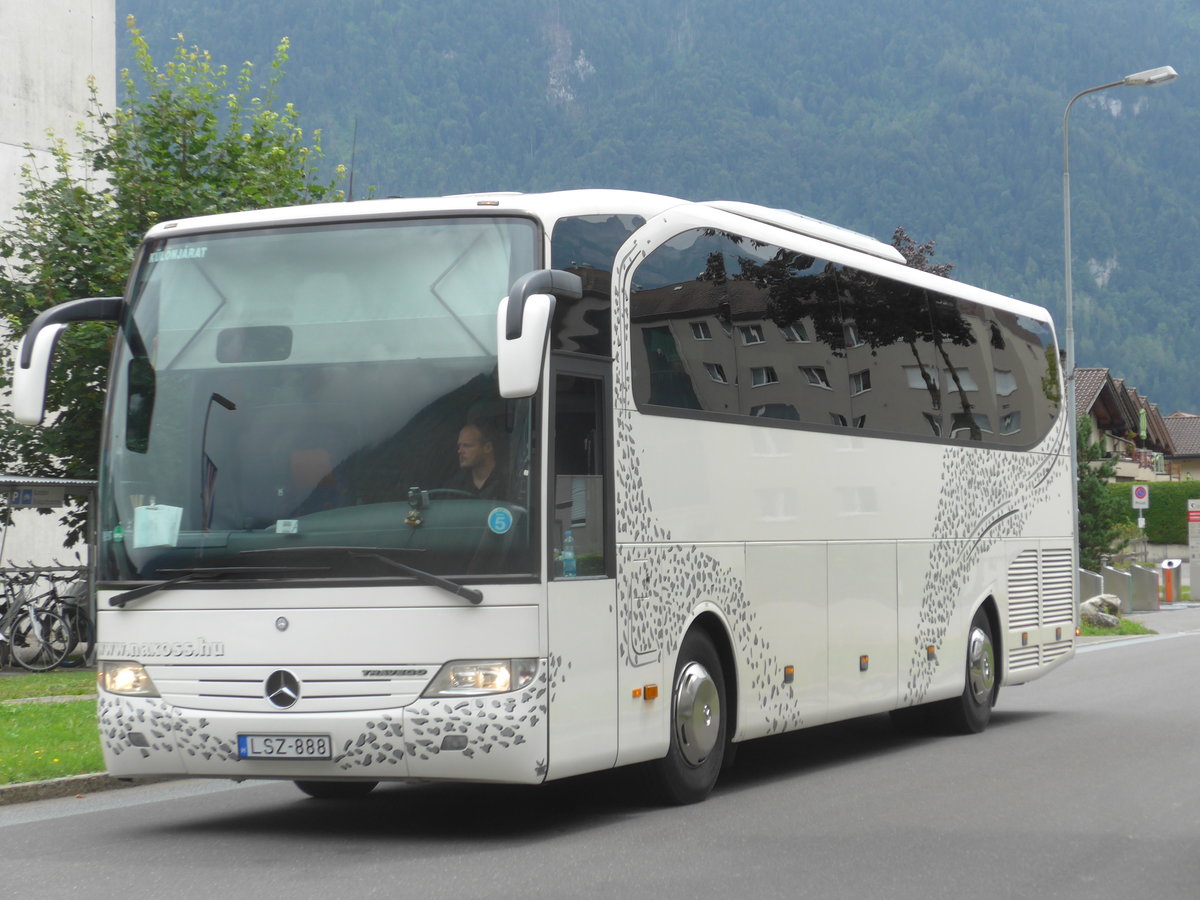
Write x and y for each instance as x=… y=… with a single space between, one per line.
x=508 y=488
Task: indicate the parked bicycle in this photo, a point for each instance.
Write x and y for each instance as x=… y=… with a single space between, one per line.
x=32 y=635
x=74 y=607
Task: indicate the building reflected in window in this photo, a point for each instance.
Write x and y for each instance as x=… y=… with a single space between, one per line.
x=887 y=358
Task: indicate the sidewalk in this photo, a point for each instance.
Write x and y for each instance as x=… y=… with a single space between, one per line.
x=1170 y=618
x=1174 y=618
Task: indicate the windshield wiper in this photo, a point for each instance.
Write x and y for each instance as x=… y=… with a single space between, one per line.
x=377 y=554
x=211 y=573
x=458 y=590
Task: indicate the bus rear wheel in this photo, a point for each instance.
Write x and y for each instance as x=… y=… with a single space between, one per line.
x=970 y=712
x=337 y=790
x=698 y=724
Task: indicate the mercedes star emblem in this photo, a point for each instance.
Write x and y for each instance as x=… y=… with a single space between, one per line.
x=282 y=689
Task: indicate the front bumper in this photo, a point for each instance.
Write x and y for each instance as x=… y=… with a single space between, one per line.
x=498 y=738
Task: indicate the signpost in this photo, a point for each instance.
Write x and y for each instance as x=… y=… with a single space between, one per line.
x=1141 y=501
x=1193 y=514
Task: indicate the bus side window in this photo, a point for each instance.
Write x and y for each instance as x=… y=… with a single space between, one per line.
x=580 y=493
x=585 y=246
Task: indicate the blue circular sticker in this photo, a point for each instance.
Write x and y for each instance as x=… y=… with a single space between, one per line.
x=500 y=520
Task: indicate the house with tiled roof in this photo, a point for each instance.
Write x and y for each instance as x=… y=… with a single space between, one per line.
x=1128 y=426
x=1098 y=398
x=1153 y=436
x=1185 y=435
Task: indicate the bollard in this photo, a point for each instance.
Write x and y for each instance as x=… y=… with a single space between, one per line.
x=1170 y=579
x=1089 y=584
x=1144 y=588
x=1121 y=584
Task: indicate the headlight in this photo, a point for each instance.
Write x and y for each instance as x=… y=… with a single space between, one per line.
x=127 y=678
x=474 y=677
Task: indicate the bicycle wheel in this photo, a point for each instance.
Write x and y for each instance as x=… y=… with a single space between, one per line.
x=83 y=636
x=38 y=639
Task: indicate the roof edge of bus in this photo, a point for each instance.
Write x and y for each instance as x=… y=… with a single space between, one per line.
x=879 y=263
x=789 y=220
x=564 y=201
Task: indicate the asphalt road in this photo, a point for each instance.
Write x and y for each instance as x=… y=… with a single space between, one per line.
x=1085 y=785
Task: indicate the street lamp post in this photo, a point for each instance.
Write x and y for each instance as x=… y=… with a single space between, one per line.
x=1149 y=78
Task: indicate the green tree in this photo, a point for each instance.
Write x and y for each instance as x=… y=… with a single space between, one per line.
x=185 y=142
x=919 y=256
x=1102 y=515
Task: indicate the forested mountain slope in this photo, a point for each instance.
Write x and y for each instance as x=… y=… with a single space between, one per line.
x=939 y=115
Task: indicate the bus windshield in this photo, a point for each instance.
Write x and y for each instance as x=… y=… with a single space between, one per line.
x=297 y=396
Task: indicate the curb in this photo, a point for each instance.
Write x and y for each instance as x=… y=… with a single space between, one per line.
x=62 y=698
x=71 y=786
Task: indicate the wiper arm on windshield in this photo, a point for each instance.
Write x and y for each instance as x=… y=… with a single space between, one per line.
x=212 y=573
x=378 y=554
x=459 y=590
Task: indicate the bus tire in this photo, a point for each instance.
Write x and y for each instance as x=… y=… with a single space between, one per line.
x=970 y=712
x=337 y=790
x=698 y=724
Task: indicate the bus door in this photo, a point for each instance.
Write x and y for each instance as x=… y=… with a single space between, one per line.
x=581 y=609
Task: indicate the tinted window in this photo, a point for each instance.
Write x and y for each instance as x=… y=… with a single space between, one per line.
x=586 y=245
x=736 y=328
x=580 y=491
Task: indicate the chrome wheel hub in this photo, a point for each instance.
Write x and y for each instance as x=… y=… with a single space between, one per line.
x=697 y=714
x=981 y=666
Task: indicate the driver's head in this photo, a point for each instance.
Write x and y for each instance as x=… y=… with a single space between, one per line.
x=474 y=448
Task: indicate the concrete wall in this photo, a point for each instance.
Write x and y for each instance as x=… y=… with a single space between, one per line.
x=48 y=48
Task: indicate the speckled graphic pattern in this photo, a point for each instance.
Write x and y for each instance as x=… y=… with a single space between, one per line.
x=488 y=727
x=984 y=498
x=659 y=589
x=660 y=585
x=150 y=726
x=380 y=744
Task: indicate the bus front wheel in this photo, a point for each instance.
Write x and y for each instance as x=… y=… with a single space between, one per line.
x=698 y=724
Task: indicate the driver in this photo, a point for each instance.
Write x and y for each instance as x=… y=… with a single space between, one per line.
x=478 y=474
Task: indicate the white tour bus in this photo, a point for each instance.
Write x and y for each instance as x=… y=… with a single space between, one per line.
x=508 y=488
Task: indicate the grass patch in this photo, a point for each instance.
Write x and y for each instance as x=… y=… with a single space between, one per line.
x=47 y=684
x=39 y=741
x=1127 y=626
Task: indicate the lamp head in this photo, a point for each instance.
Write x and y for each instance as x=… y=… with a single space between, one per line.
x=1151 y=77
